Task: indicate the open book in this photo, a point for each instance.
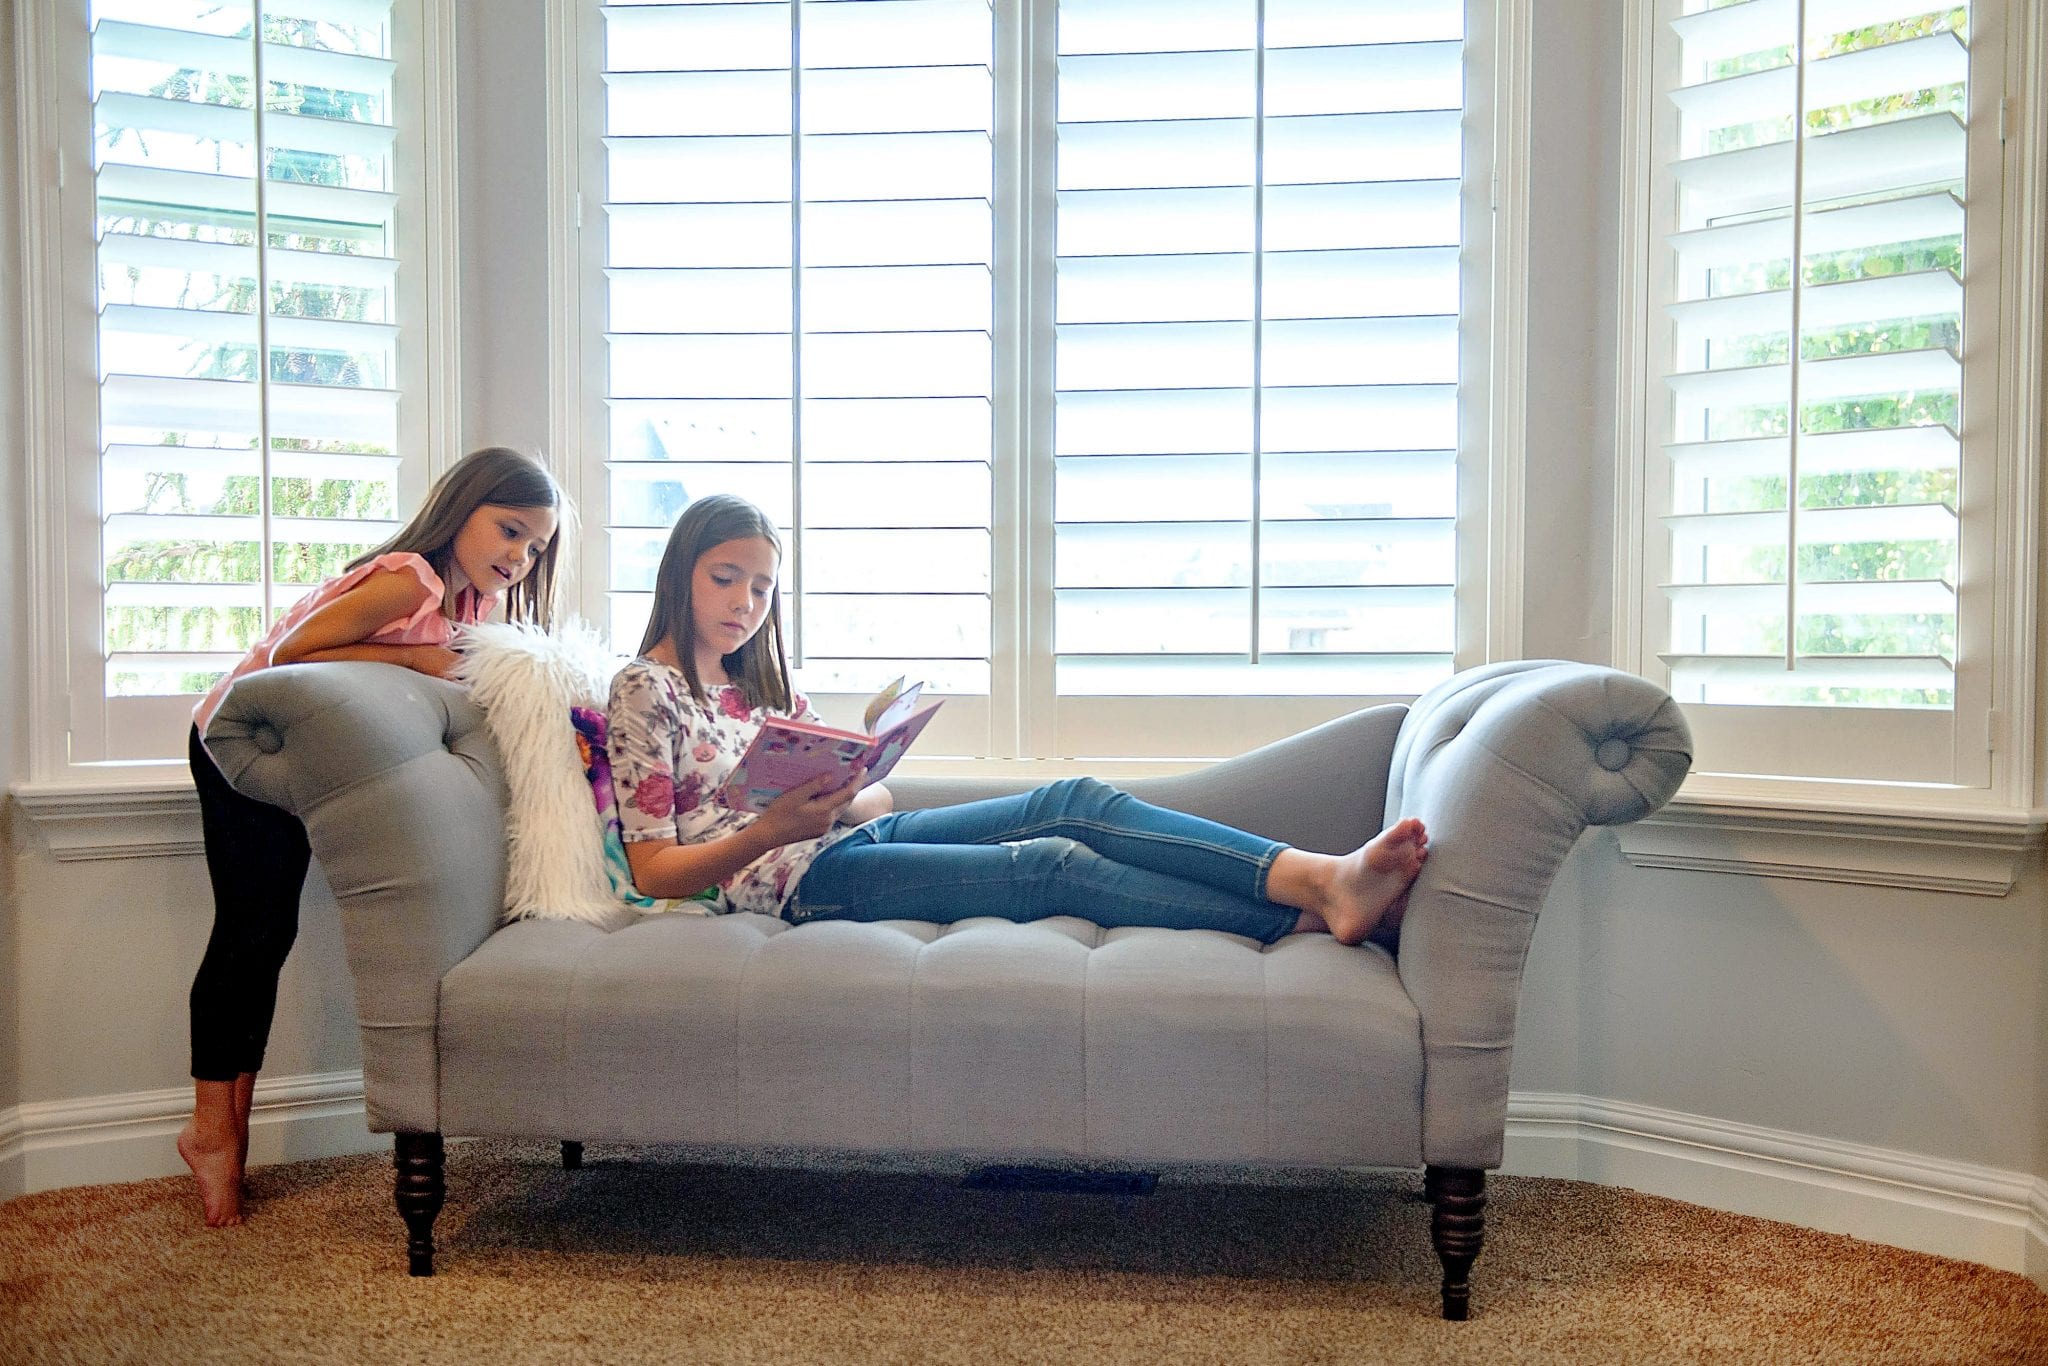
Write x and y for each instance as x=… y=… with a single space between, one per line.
x=788 y=753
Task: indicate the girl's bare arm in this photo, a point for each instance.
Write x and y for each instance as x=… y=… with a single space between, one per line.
x=339 y=629
x=665 y=868
x=873 y=800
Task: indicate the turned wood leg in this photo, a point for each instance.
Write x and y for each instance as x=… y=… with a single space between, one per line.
x=572 y=1155
x=421 y=1187
x=1457 y=1196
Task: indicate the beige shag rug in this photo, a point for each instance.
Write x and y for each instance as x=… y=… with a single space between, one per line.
x=652 y=1255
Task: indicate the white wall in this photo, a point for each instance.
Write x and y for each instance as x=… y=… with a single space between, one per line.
x=1878 y=1016
x=1894 y=1020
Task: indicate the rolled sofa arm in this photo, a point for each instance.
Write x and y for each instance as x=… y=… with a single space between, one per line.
x=1507 y=765
x=399 y=784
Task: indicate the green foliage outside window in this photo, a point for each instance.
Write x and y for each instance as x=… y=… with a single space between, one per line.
x=1861 y=561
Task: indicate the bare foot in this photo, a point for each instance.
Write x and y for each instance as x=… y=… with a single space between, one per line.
x=1369 y=889
x=216 y=1163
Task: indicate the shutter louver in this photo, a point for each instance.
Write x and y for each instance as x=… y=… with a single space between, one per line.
x=1813 y=515
x=1256 y=357
x=800 y=294
x=247 y=318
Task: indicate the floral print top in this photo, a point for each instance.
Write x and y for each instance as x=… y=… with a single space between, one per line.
x=671 y=753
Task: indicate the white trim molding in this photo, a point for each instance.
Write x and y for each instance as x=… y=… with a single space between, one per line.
x=441 y=212
x=40 y=164
x=2037 y=1234
x=1951 y=1209
x=1632 y=304
x=130 y=1137
x=84 y=821
x=11 y=1175
x=1978 y=853
x=565 y=209
x=1507 y=404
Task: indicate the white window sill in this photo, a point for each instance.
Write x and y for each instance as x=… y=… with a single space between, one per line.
x=1973 y=850
x=153 y=818
x=1979 y=851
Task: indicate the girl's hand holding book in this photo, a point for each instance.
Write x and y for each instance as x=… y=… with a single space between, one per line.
x=809 y=809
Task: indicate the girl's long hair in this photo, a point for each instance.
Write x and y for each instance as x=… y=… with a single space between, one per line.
x=759 y=668
x=494 y=476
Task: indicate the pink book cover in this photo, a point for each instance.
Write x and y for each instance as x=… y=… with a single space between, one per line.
x=787 y=753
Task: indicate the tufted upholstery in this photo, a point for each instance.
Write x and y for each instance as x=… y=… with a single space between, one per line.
x=1056 y=1038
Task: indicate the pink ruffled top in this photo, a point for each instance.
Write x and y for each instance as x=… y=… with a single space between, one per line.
x=425 y=626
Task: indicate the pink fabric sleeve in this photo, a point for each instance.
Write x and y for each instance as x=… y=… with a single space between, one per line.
x=426 y=625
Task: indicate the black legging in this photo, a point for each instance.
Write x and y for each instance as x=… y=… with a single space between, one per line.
x=257 y=856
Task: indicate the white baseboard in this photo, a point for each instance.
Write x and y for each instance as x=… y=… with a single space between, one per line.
x=1978 y=1214
x=131 y=1137
x=2037 y=1234
x=10 y=1154
x=1952 y=1209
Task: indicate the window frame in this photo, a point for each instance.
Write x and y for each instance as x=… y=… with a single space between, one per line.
x=1014 y=729
x=60 y=372
x=1864 y=830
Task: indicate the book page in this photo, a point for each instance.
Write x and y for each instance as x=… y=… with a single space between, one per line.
x=891 y=744
x=871 y=714
x=896 y=712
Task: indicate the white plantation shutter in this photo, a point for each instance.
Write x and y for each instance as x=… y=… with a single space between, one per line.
x=1104 y=361
x=797 y=256
x=1816 y=441
x=247 y=209
x=1257 y=358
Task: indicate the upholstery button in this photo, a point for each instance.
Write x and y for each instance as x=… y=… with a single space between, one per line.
x=1613 y=755
x=267 y=739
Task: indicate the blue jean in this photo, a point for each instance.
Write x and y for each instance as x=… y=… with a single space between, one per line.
x=1077 y=847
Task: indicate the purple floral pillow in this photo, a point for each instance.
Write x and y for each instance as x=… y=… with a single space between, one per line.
x=591 y=734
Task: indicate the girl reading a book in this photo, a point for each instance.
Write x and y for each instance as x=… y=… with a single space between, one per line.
x=711 y=671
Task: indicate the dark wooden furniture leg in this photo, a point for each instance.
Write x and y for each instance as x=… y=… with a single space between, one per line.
x=421 y=1188
x=1457 y=1197
x=572 y=1155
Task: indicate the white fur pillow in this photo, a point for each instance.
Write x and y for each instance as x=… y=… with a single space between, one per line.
x=526 y=680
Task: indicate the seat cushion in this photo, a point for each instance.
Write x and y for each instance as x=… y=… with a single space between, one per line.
x=1052 y=1039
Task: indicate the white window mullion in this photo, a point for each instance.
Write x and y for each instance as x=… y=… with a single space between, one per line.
x=265 y=510
x=1255 y=502
x=797 y=614
x=1024 y=687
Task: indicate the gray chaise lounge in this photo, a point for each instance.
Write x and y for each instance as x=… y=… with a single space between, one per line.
x=1055 y=1041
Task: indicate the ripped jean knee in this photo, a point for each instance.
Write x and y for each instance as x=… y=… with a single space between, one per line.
x=1045 y=855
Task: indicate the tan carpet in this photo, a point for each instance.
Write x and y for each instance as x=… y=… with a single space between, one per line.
x=660 y=1256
